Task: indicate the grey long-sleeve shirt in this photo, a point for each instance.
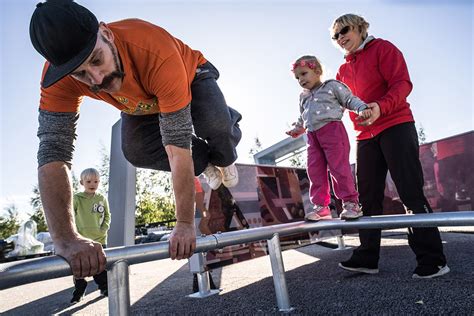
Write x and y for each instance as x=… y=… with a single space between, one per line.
x=326 y=103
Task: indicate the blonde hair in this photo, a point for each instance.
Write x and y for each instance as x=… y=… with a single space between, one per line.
x=308 y=59
x=90 y=173
x=353 y=20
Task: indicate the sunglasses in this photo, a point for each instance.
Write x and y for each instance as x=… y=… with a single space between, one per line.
x=343 y=31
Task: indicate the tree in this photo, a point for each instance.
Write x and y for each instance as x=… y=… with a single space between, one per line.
x=155 y=197
x=9 y=225
x=103 y=169
x=154 y=209
x=38 y=214
x=38 y=217
x=421 y=135
x=298 y=160
x=154 y=192
x=37 y=205
x=255 y=148
x=75 y=182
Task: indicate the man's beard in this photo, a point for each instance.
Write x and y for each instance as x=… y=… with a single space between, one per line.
x=114 y=74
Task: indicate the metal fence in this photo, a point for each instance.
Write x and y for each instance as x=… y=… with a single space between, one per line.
x=119 y=258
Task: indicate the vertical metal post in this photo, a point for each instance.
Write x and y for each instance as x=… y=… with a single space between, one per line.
x=119 y=289
x=340 y=243
x=196 y=265
x=122 y=189
x=278 y=270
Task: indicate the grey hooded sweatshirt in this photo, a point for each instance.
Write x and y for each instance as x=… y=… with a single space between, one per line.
x=326 y=103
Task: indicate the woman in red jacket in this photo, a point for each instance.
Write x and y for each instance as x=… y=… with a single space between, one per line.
x=376 y=72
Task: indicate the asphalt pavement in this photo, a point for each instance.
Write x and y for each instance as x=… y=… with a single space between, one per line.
x=315 y=284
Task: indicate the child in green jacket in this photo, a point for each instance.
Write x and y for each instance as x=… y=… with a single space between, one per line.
x=92 y=217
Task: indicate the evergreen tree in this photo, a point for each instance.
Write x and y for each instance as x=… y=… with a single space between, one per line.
x=38 y=214
x=9 y=224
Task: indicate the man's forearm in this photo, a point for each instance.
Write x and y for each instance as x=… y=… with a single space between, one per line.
x=182 y=170
x=56 y=195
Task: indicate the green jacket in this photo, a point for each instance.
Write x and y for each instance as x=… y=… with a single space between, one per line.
x=92 y=216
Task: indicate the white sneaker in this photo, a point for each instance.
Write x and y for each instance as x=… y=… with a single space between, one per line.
x=213 y=176
x=319 y=212
x=351 y=210
x=230 y=175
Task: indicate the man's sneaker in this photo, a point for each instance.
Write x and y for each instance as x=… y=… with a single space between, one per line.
x=213 y=176
x=76 y=297
x=353 y=266
x=230 y=175
x=319 y=212
x=429 y=272
x=104 y=293
x=351 y=210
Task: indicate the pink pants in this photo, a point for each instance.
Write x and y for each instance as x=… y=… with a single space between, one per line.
x=328 y=148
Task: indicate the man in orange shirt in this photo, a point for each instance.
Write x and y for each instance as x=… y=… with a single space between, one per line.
x=174 y=116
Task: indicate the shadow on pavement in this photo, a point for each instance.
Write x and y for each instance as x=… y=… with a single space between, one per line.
x=57 y=304
x=318 y=288
x=323 y=288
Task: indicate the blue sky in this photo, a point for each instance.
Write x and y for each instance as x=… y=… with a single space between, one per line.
x=252 y=43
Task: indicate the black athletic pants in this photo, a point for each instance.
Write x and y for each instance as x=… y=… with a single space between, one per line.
x=396 y=149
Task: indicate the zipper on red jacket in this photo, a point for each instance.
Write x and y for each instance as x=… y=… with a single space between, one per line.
x=354 y=78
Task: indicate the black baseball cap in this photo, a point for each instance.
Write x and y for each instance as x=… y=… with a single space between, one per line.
x=65 y=33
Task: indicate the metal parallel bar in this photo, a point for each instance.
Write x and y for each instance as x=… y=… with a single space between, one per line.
x=278 y=271
x=119 y=289
x=45 y=268
x=465 y=218
x=27 y=271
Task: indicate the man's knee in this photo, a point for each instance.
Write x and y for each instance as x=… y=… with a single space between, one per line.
x=136 y=156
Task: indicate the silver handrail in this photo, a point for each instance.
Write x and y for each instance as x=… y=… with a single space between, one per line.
x=26 y=271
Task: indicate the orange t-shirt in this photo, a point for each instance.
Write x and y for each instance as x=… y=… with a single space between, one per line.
x=159 y=70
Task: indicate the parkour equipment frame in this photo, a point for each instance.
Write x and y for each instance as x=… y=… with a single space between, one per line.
x=119 y=258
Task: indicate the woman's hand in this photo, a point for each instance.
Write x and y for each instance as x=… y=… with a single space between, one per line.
x=374 y=115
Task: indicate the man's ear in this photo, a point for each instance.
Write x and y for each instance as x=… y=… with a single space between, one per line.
x=80 y=181
x=106 y=32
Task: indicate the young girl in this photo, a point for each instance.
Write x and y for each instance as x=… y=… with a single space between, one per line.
x=321 y=106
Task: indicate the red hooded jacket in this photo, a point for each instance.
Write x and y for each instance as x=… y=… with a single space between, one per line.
x=378 y=73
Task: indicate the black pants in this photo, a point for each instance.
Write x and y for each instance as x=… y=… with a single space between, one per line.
x=100 y=279
x=396 y=149
x=216 y=129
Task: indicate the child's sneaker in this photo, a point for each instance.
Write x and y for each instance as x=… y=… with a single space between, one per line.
x=351 y=210
x=319 y=212
x=213 y=176
x=104 y=293
x=230 y=175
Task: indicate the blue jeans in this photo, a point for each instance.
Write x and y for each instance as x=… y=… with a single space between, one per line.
x=216 y=129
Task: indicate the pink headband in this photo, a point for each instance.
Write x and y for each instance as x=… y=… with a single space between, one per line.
x=304 y=63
